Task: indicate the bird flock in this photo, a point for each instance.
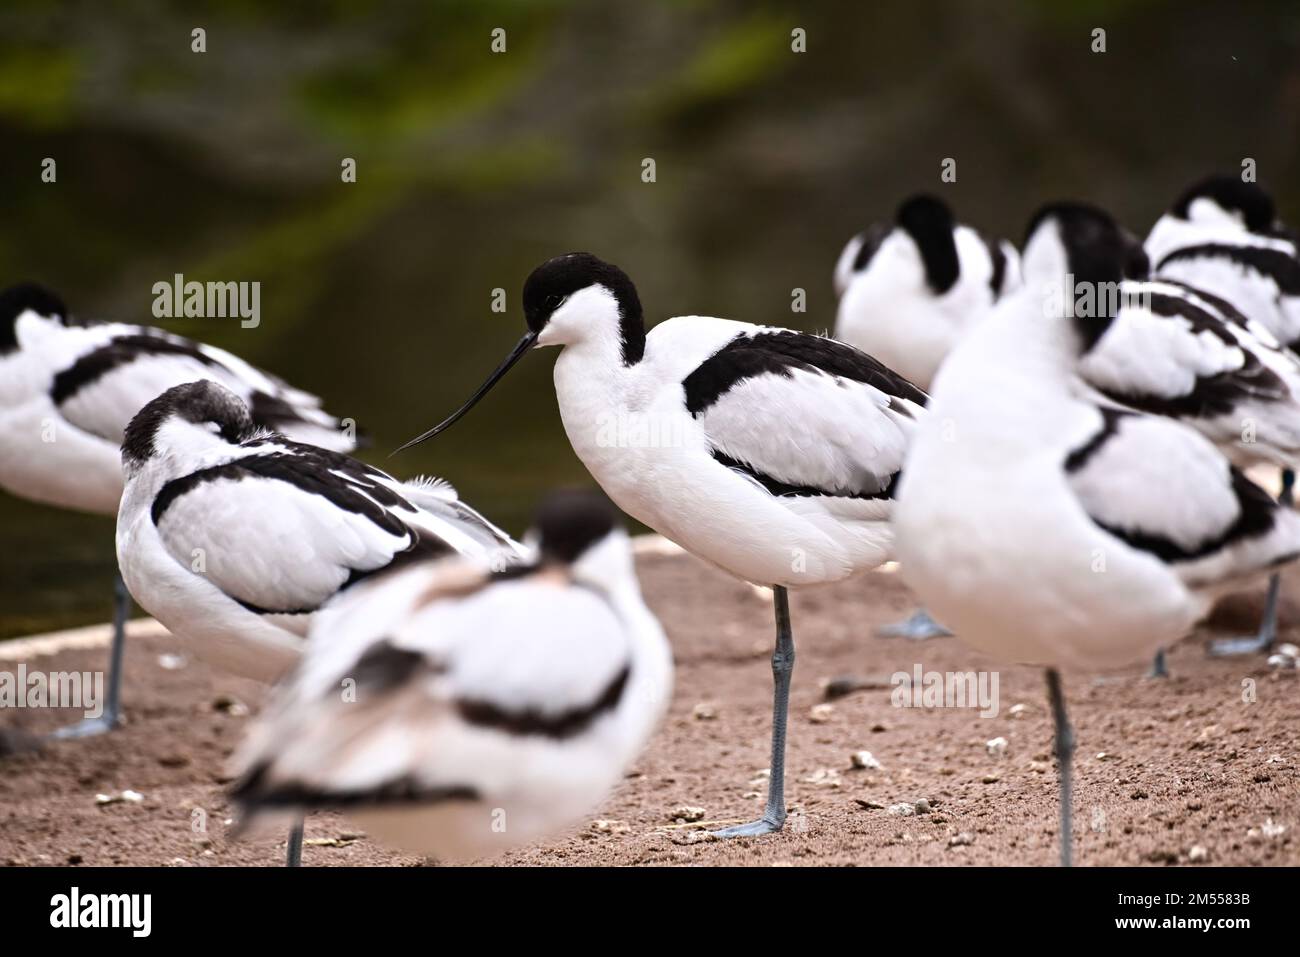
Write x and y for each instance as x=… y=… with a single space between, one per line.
x=1051 y=441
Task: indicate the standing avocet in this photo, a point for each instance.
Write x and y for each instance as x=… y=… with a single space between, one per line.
x=770 y=453
x=68 y=390
x=1222 y=236
x=487 y=710
x=233 y=537
x=1051 y=527
x=907 y=293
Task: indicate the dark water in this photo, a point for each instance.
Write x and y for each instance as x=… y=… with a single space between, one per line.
x=473 y=167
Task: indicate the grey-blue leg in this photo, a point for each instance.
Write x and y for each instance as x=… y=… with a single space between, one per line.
x=294 y=856
x=1064 y=757
x=1158 y=667
x=782 y=667
x=1263 y=640
x=918 y=627
x=111 y=716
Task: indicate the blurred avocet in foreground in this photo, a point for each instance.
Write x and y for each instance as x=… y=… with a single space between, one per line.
x=488 y=710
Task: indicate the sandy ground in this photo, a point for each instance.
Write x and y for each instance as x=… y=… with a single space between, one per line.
x=1163 y=766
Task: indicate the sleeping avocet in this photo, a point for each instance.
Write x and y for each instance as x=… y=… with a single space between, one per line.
x=68 y=390
x=488 y=710
x=770 y=453
x=233 y=536
x=907 y=293
x=1223 y=236
x=1052 y=527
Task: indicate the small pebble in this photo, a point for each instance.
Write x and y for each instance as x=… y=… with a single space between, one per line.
x=902 y=810
x=1289 y=650
x=604 y=826
x=964 y=839
x=922 y=806
x=172 y=662
x=1017 y=710
x=229 y=704
x=1198 y=853
x=821 y=713
x=990 y=779
x=704 y=711
x=824 y=778
x=865 y=761
x=694 y=837
x=686 y=814
x=841 y=687
x=1281 y=663
x=133 y=797
x=996 y=746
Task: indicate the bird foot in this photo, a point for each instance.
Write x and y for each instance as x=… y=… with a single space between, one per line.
x=88 y=728
x=919 y=627
x=1231 y=647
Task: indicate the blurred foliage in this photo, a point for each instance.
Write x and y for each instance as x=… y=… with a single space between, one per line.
x=473 y=166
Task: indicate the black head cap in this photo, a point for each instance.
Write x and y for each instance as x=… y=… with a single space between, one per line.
x=1098 y=250
x=1099 y=255
x=16 y=300
x=1249 y=199
x=551 y=283
x=198 y=402
x=570 y=521
x=929 y=221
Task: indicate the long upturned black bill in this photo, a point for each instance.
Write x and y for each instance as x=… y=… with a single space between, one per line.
x=522 y=346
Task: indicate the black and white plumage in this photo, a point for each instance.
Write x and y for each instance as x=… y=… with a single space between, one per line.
x=488 y=710
x=909 y=291
x=1174 y=350
x=233 y=536
x=770 y=453
x=1223 y=236
x=1047 y=525
x=69 y=388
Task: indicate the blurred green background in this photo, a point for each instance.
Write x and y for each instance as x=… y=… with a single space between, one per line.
x=473 y=167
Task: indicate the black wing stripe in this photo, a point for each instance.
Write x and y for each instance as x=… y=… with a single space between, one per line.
x=533 y=722
x=255 y=791
x=1111 y=419
x=1256 y=517
x=781 y=352
x=121 y=351
x=311 y=469
x=1211 y=395
x=1282 y=268
x=779 y=488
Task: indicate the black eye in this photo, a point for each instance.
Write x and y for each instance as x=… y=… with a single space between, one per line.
x=553 y=301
